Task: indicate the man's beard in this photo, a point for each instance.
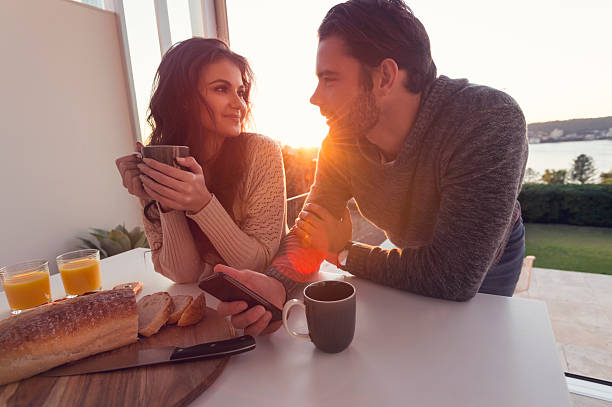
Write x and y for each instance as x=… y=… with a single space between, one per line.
x=361 y=115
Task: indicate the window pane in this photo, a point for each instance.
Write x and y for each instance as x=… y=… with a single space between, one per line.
x=144 y=52
x=180 y=23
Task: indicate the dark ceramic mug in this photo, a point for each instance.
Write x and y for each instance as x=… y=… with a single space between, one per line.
x=330 y=308
x=165 y=154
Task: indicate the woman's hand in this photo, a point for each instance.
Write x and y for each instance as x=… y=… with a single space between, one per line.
x=174 y=188
x=130 y=174
x=256 y=320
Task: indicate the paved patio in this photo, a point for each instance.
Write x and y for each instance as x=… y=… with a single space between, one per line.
x=580 y=309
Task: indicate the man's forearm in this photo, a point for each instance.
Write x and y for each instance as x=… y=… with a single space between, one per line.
x=416 y=271
x=294 y=266
x=293 y=289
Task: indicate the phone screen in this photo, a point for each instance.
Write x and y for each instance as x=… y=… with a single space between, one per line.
x=227 y=289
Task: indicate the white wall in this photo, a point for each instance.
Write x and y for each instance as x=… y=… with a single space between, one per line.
x=64 y=118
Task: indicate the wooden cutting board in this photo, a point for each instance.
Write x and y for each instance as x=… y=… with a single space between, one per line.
x=171 y=384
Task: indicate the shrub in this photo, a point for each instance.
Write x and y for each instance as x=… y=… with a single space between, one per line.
x=585 y=205
x=115 y=241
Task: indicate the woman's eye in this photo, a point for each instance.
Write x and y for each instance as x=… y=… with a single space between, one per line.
x=220 y=89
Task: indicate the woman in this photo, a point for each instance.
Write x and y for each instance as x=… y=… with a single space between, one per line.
x=227 y=204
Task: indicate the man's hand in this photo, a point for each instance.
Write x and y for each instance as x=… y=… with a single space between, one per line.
x=319 y=228
x=255 y=321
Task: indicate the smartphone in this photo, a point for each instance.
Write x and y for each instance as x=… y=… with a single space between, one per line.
x=226 y=288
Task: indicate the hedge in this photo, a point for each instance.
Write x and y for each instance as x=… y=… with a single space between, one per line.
x=572 y=204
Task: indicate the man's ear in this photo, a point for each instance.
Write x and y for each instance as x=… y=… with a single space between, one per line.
x=388 y=72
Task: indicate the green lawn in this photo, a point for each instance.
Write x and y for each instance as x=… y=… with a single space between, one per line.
x=575 y=248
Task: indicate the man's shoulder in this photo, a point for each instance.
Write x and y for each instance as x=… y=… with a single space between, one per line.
x=457 y=103
x=478 y=113
x=475 y=98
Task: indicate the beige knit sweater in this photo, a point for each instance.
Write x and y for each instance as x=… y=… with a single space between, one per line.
x=249 y=242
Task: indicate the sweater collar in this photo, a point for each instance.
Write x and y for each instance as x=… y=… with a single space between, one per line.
x=432 y=101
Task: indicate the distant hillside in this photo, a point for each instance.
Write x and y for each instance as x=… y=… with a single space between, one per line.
x=572 y=126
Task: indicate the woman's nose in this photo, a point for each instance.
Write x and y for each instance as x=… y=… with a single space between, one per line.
x=237 y=102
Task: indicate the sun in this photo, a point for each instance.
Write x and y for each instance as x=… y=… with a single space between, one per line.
x=286 y=117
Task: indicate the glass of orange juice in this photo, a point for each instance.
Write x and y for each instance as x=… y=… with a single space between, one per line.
x=80 y=271
x=26 y=284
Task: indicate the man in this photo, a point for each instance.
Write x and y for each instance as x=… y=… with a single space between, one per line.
x=436 y=163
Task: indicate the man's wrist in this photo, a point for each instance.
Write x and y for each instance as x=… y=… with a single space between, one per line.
x=342 y=259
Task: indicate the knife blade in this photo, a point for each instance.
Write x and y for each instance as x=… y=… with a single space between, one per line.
x=127 y=358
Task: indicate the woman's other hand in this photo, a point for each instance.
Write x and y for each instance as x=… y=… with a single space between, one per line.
x=173 y=188
x=130 y=174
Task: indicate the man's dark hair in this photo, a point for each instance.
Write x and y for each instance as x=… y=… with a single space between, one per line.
x=377 y=29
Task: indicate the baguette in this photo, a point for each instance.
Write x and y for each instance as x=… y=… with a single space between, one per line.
x=153 y=312
x=54 y=334
x=179 y=304
x=194 y=312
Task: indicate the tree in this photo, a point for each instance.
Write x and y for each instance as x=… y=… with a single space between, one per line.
x=300 y=166
x=606 y=177
x=554 y=177
x=531 y=176
x=583 y=169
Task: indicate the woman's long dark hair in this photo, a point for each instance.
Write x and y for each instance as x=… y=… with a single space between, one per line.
x=175 y=116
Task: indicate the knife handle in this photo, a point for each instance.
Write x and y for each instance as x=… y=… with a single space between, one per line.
x=227 y=347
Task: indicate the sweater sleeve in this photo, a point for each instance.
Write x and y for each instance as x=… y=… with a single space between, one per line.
x=296 y=265
x=173 y=249
x=252 y=244
x=480 y=178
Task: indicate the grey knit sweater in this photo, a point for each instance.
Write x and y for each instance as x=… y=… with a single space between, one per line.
x=449 y=199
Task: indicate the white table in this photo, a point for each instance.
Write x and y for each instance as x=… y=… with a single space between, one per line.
x=408 y=350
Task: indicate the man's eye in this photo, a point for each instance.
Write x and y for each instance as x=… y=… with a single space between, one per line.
x=329 y=80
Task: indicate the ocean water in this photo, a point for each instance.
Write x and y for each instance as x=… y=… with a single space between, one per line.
x=560 y=156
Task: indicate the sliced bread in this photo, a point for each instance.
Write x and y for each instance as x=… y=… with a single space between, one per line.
x=153 y=312
x=179 y=304
x=194 y=312
x=135 y=286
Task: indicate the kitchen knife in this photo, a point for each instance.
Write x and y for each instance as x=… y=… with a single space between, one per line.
x=125 y=358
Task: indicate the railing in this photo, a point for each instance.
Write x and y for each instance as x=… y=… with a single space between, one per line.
x=294 y=206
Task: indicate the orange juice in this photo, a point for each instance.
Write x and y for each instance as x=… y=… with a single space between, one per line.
x=27 y=290
x=81 y=276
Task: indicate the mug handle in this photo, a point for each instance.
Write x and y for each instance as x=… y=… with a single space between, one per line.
x=286 y=309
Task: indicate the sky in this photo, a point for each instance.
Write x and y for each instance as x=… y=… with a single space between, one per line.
x=552 y=56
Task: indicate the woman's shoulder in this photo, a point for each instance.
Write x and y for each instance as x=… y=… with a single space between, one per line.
x=259 y=144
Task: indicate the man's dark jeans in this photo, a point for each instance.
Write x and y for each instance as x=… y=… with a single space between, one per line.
x=503 y=276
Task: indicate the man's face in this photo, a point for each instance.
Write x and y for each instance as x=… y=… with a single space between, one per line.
x=341 y=94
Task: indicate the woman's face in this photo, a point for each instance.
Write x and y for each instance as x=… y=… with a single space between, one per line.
x=222 y=87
